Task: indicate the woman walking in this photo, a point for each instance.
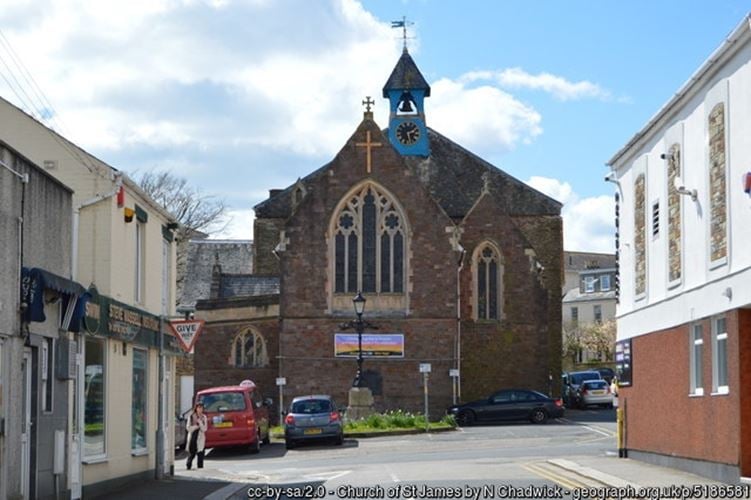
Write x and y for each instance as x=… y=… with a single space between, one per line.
x=197 y=424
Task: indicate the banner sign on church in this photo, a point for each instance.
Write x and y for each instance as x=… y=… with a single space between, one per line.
x=374 y=345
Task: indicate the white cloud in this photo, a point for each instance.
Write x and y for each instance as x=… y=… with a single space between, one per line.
x=588 y=223
x=557 y=86
x=484 y=117
x=239 y=227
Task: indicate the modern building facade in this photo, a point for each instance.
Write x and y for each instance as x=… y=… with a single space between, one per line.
x=122 y=250
x=459 y=262
x=684 y=317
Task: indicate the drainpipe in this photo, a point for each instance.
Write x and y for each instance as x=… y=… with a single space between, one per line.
x=161 y=410
x=118 y=179
x=459 y=323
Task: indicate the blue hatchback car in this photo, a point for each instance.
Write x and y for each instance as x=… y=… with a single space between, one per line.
x=313 y=417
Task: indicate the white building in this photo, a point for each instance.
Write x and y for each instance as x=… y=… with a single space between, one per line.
x=684 y=318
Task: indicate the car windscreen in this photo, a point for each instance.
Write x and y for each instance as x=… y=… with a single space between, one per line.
x=596 y=384
x=223 y=401
x=311 y=406
x=578 y=378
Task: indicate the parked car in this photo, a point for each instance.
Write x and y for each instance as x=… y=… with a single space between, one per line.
x=313 y=417
x=595 y=392
x=181 y=433
x=571 y=383
x=506 y=405
x=237 y=416
x=606 y=373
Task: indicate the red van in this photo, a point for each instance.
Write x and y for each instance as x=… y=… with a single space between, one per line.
x=237 y=416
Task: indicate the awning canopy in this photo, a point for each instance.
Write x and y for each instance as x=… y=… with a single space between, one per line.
x=33 y=283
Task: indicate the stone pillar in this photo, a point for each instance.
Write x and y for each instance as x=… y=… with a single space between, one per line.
x=360 y=403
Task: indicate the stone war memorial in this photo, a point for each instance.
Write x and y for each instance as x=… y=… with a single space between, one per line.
x=458 y=262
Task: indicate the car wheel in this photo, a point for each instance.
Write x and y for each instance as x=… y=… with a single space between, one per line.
x=267 y=438
x=465 y=418
x=255 y=446
x=539 y=416
x=339 y=440
x=289 y=444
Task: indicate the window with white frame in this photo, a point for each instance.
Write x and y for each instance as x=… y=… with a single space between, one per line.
x=589 y=284
x=47 y=378
x=139 y=263
x=249 y=350
x=719 y=356
x=605 y=282
x=696 y=347
x=597 y=313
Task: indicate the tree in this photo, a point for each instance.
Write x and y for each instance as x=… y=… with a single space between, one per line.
x=598 y=337
x=197 y=212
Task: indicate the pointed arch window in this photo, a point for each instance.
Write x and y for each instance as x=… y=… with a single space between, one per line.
x=249 y=350
x=488 y=271
x=369 y=243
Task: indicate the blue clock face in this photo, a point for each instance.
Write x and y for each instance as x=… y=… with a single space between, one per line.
x=408 y=133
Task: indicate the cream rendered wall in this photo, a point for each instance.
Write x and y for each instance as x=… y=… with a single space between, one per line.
x=118 y=407
x=587 y=310
x=122 y=255
x=702 y=290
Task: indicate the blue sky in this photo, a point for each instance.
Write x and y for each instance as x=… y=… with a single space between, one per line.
x=244 y=96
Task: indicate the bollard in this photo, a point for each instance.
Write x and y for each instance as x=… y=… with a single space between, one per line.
x=619 y=432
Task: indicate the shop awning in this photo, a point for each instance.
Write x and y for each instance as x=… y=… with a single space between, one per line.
x=35 y=281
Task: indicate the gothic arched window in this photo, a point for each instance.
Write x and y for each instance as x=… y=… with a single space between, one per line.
x=488 y=274
x=369 y=243
x=249 y=350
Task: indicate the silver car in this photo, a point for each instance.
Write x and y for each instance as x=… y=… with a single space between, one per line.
x=595 y=392
x=313 y=417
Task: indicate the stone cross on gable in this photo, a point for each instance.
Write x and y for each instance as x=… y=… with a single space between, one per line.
x=368 y=145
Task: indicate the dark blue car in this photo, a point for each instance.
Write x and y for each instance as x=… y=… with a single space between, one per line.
x=508 y=405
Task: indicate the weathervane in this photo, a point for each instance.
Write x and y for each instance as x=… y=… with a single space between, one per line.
x=403 y=25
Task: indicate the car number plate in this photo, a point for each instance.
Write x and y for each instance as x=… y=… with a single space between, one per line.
x=223 y=424
x=598 y=393
x=312 y=431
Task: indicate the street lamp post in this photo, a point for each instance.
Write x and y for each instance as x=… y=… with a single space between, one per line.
x=359 y=326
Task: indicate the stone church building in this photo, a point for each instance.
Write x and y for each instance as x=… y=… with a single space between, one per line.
x=460 y=264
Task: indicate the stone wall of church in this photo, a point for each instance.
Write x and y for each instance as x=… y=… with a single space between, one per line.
x=310 y=367
x=523 y=348
x=213 y=355
x=265 y=239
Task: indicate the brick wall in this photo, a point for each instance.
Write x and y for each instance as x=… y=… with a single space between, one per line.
x=662 y=418
x=744 y=347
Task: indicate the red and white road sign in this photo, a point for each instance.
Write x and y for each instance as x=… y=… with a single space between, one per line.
x=187 y=331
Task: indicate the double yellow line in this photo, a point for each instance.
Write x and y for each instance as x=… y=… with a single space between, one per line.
x=566 y=482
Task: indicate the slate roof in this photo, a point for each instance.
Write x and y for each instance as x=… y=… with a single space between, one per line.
x=246 y=285
x=234 y=256
x=574 y=295
x=580 y=261
x=453 y=177
x=406 y=76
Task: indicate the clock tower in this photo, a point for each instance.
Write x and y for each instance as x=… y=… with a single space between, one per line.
x=406 y=90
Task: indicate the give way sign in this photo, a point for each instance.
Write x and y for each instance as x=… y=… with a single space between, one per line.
x=187 y=331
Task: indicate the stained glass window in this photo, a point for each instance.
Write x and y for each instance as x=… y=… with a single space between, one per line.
x=369 y=244
x=488 y=269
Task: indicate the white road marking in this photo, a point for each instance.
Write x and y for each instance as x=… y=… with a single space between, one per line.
x=327 y=476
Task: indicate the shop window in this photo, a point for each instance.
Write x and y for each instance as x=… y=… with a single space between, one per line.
x=94 y=398
x=140 y=397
